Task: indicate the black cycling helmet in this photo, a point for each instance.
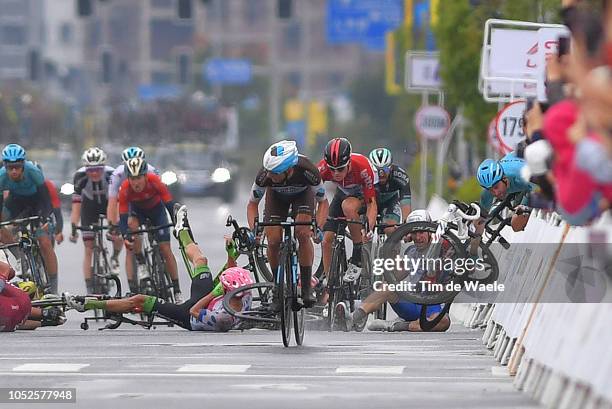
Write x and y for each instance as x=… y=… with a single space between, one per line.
x=338 y=152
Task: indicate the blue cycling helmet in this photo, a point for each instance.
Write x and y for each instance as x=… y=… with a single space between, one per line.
x=489 y=173
x=281 y=156
x=13 y=153
x=131 y=153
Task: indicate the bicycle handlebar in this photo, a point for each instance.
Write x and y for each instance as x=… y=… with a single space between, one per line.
x=285 y=224
x=92 y=228
x=151 y=229
x=25 y=220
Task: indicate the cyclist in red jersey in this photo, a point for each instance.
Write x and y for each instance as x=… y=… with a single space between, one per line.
x=57 y=211
x=145 y=196
x=355 y=178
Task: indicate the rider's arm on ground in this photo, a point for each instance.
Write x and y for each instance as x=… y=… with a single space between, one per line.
x=201 y=305
x=232 y=255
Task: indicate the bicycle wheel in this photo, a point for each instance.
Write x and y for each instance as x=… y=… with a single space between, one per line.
x=433 y=284
x=260 y=308
x=162 y=281
x=298 y=310
x=336 y=272
x=261 y=261
x=36 y=263
x=284 y=296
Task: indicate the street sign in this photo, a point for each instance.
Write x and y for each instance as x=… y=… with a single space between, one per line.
x=362 y=21
x=227 y=71
x=432 y=121
x=422 y=71
x=509 y=125
x=151 y=92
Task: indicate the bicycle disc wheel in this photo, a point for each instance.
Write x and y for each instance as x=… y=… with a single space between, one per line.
x=284 y=294
x=432 y=282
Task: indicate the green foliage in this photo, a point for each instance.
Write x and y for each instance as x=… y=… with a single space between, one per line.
x=469 y=191
x=459 y=37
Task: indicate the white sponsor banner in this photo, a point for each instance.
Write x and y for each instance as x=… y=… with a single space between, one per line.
x=513 y=55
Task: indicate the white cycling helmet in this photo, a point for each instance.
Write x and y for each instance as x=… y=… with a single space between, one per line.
x=94 y=157
x=419 y=215
x=281 y=156
x=136 y=167
x=381 y=157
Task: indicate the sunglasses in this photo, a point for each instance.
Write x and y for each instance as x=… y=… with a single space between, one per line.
x=94 y=169
x=13 y=166
x=337 y=169
x=384 y=170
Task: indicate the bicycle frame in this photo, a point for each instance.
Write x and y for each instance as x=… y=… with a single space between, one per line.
x=28 y=244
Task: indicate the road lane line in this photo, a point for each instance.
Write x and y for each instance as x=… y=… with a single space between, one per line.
x=212 y=368
x=374 y=370
x=41 y=367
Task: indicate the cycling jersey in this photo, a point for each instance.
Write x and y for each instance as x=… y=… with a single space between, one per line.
x=360 y=179
x=86 y=189
x=57 y=206
x=397 y=187
x=147 y=203
x=155 y=191
x=304 y=175
x=119 y=176
x=15 y=306
x=29 y=193
x=511 y=164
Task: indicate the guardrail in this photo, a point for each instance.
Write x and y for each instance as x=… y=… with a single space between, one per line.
x=559 y=352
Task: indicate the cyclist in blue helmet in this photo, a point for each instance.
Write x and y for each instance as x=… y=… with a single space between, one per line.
x=28 y=196
x=500 y=178
x=289 y=181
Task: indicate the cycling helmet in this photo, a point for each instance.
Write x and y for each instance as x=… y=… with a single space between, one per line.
x=489 y=173
x=131 y=153
x=235 y=277
x=136 y=167
x=28 y=287
x=338 y=152
x=419 y=215
x=13 y=153
x=281 y=156
x=94 y=157
x=381 y=157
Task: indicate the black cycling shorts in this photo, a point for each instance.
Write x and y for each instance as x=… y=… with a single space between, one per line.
x=335 y=210
x=277 y=205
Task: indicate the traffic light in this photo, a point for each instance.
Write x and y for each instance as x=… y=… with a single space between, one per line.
x=184 y=8
x=284 y=8
x=34 y=65
x=84 y=8
x=107 y=67
x=183 y=69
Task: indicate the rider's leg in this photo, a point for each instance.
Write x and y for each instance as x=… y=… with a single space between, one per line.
x=134 y=224
x=305 y=256
x=88 y=245
x=274 y=236
x=350 y=208
x=48 y=254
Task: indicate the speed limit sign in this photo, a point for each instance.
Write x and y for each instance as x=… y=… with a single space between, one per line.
x=509 y=125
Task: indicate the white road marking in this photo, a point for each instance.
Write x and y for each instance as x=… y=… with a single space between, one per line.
x=378 y=370
x=450 y=378
x=38 y=367
x=500 y=371
x=212 y=368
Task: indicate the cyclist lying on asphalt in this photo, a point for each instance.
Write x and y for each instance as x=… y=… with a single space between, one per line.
x=16 y=311
x=408 y=312
x=204 y=310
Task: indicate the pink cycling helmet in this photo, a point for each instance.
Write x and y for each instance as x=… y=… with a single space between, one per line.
x=235 y=277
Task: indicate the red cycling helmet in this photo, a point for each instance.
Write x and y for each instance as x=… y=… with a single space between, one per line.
x=338 y=152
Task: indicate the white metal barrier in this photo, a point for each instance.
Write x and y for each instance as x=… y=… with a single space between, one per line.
x=561 y=353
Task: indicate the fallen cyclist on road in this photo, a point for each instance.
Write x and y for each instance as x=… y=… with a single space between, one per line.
x=204 y=310
x=16 y=311
x=408 y=312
